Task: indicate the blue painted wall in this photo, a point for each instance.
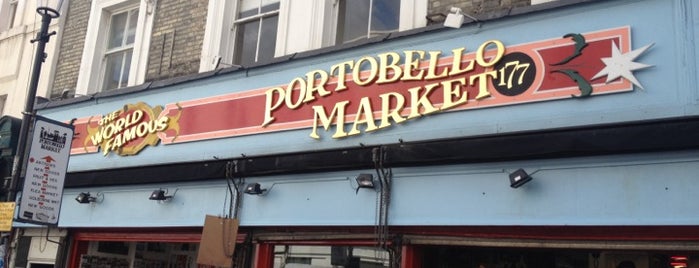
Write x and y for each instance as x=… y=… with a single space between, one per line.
x=642 y=189
x=648 y=189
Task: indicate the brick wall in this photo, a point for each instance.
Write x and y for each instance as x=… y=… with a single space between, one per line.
x=178 y=33
x=175 y=49
x=479 y=8
x=177 y=39
x=71 y=47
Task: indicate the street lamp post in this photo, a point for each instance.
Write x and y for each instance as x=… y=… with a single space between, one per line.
x=48 y=10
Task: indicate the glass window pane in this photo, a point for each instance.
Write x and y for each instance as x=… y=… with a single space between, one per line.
x=145 y=255
x=247 y=13
x=354 y=20
x=116 y=73
x=297 y=256
x=268 y=39
x=120 y=248
x=12 y=13
x=455 y=256
x=131 y=30
x=246 y=42
x=125 y=69
x=112 y=71
x=116 y=30
x=385 y=15
x=248 y=8
x=269 y=5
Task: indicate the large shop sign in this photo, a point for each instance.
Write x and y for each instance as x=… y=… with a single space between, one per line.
x=375 y=92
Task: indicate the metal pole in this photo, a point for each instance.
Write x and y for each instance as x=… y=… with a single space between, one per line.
x=42 y=37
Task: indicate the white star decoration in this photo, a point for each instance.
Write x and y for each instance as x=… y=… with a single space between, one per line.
x=622 y=65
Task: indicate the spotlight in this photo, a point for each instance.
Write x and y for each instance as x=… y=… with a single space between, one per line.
x=519 y=178
x=159 y=195
x=455 y=18
x=85 y=198
x=365 y=181
x=254 y=189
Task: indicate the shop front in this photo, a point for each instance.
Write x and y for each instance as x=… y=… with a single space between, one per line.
x=559 y=138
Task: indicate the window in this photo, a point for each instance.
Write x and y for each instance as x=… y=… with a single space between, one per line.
x=12 y=14
x=139 y=254
x=359 y=19
x=8 y=14
x=115 y=52
x=246 y=31
x=256 y=31
x=3 y=99
x=302 y=256
x=122 y=33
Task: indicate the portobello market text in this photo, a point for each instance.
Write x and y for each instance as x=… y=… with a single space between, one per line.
x=396 y=107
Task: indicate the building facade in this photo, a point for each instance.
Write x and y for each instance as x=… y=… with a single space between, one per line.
x=368 y=134
x=19 y=24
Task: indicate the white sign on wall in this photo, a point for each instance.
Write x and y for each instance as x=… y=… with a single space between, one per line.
x=45 y=172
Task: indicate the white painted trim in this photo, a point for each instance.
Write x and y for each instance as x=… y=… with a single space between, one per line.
x=144 y=28
x=4 y=15
x=86 y=61
x=212 y=35
x=412 y=14
x=285 y=20
x=19 y=16
x=536 y=2
x=91 y=64
x=217 y=35
x=300 y=15
x=322 y=14
x=330 y=22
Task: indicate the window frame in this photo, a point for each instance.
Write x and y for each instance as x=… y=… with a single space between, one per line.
x=257 y=17
x=340 y=16
x=315 y=29
x=92 y=66
x=412 y=15
x=13 y=6
x=117 y=50
x=8 y=14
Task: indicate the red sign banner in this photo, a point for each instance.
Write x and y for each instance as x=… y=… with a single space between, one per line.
x=376 y=92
